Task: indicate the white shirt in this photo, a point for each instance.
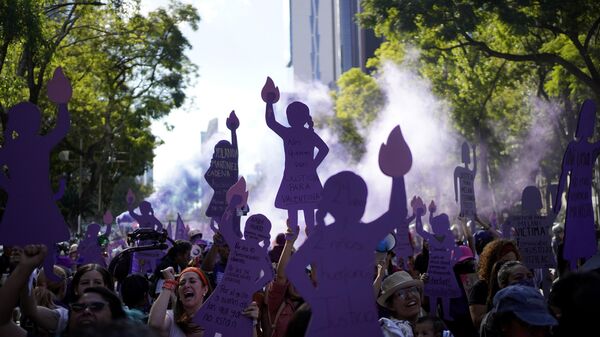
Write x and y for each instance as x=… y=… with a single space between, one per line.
x=392 y=327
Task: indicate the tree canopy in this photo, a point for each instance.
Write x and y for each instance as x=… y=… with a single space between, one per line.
x=126 y=70
x=491 y=60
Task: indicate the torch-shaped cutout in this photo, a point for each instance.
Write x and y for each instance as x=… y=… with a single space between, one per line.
x=270 y=93
x=395 y=158
x=238 y=188
x=59 y=88
x=232 y=122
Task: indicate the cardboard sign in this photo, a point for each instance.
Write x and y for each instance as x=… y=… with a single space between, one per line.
x=578 y=164
x=31 y=215
x=223 y=170
x=341 y=253
x=300 y=187
x=464 y=183
x=534 y=241
x=248 y=270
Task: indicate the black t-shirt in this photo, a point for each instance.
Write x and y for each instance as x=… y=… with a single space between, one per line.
x=479 y=293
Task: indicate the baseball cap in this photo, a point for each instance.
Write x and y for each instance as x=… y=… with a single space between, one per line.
x=526 y=303
x=465 y=253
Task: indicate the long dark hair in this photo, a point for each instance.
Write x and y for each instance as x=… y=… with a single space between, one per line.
x=71 y=296
x=106 y=276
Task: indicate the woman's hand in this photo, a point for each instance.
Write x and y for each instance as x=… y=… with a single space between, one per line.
x=169 y=273
x=251 y=311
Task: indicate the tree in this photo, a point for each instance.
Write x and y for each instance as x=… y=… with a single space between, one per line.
x=357 y=104
x=126 y=69
x=552 y=33
x=490 y=93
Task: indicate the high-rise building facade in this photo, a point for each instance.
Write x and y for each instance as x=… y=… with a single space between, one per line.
x=326 y=41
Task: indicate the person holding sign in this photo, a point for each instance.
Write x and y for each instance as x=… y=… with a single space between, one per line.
x=464 y=179
x=578 y=163
x=443 y=255
x=190 y=287
x=341 y=253
x=300 y=187
x=248 y=270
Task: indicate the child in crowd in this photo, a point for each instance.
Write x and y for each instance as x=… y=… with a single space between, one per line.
x=431 y=326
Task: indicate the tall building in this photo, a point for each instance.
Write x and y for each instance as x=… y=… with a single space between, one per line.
x=326 y=41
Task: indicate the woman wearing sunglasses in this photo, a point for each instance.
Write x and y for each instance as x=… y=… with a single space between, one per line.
x=56 y=320
x=401 y=294
x=96 y=306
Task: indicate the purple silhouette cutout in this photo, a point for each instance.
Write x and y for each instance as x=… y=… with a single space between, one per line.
x=248 y=270
x=146 y=218
x=532 y=231
x=465 y=178
x=181 y=233
x=90 y=247
x=25 y=156
x=533 y=234
x=578 y=164
x=341 y=254
x=143 y=262
x=300 y=187
x=223 y=170
x=443 y=254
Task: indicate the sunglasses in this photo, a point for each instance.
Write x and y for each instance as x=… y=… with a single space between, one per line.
x=403 y=293
x=93 y=306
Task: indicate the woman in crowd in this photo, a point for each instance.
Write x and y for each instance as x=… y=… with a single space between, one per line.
x=497 y=250
x=521 y=311
x=56 y=319
x=505 y=273
x=96 y=305
x=402 y=295
x=190 y=289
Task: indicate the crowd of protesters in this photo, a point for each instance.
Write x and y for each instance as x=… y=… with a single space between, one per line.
x=500 y=295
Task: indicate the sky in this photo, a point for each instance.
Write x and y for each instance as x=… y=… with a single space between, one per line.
x=237 y=45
